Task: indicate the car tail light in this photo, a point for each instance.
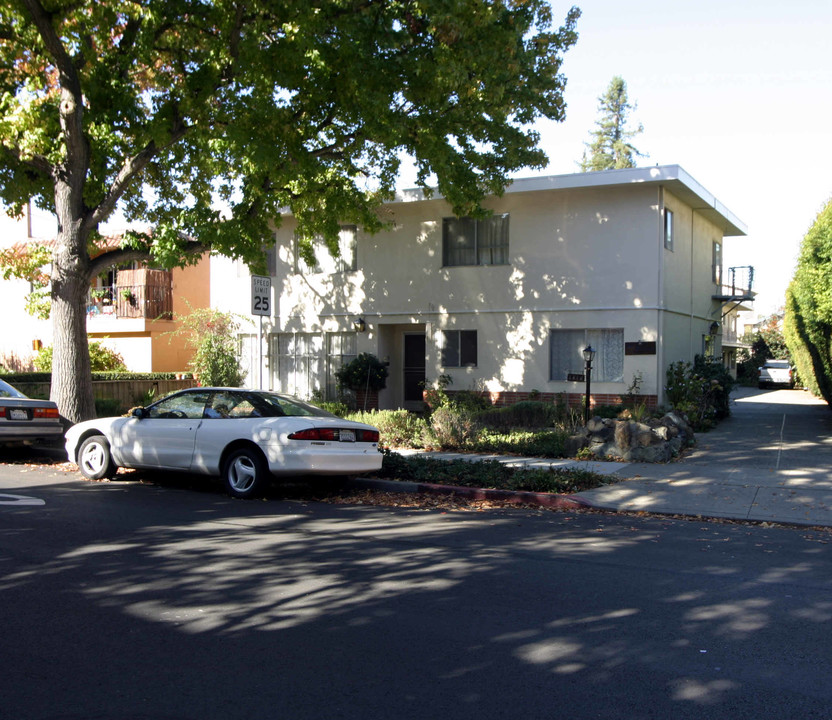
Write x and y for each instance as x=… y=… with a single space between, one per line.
x=333 y=434
x=315 y=434
x=46 y=412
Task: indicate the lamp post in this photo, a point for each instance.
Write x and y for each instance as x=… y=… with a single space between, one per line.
x=589 y=356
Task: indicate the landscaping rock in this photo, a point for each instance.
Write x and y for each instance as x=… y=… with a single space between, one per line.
x=652 y=441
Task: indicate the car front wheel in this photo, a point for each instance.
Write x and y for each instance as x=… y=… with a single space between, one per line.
x=245 y=473
x=94 y=459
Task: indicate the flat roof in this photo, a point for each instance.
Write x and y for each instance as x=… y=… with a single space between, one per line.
x=673 y=177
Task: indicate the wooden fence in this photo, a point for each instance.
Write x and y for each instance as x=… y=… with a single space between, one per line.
x=123 y=393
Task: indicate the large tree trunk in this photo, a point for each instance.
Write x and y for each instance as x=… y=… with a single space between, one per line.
x=71 y=378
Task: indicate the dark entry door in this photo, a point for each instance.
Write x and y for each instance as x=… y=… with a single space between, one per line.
x=414 y=367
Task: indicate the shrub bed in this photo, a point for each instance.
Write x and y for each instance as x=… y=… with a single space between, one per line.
x=488 y=474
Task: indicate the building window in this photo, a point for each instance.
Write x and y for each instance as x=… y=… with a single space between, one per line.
x=566 y=354
x=299 y=359
x=459 y=348
x=270 y=254
x=347 y=260
x=340 y=349
x=668 y=229
x=717 y=263
x=466 y=241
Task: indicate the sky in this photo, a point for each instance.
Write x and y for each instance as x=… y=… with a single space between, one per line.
x=737 y=94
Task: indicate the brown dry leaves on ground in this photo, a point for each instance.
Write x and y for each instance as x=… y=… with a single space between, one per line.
x=423 y=501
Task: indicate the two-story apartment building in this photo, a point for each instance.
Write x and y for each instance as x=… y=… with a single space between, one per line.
x=626 y=261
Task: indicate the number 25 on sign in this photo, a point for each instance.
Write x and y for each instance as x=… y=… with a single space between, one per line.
x=261 y=295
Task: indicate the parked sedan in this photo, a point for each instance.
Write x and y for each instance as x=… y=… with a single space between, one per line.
x=245 y=436
x=25 y=420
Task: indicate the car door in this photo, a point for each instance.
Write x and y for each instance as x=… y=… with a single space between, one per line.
x=165 y=437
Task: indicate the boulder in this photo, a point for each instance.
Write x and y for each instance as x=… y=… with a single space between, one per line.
x=652 y=441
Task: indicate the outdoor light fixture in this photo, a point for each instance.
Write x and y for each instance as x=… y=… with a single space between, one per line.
x=714 y=327
x=589 y=356
x=359 y=325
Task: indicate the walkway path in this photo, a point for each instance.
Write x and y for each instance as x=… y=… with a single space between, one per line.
x=771 y=460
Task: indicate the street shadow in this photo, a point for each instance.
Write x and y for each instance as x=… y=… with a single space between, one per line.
x=194 y=605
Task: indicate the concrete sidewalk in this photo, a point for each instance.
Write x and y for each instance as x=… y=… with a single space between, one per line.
x=770 y=461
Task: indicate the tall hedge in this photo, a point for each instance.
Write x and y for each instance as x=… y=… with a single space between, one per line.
x=808 y=322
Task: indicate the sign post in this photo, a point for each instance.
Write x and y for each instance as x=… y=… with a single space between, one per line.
x=261 y=304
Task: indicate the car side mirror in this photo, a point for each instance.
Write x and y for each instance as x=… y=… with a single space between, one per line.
x=139 y=412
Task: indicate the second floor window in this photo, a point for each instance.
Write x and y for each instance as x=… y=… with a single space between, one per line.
x=466 y=241
x=668 y=229
x=717 y=263
x=347 y=261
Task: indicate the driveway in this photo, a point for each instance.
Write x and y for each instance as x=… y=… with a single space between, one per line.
x=771 y=461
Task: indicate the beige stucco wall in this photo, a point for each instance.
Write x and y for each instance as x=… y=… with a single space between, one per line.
x=688 y=282
x=579 y=259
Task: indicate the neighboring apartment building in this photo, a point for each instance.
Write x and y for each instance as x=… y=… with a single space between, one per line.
x=136 y=310
x=627 y=261
x=133 y=310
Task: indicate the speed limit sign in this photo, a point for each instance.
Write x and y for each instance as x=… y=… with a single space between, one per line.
x=261 y=295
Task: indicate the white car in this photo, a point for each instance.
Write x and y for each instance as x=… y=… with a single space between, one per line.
x=26 y=420
x=245 y=436
x=775 y=372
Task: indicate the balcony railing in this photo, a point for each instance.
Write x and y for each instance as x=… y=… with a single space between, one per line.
x=151 y=302
x=739 y=285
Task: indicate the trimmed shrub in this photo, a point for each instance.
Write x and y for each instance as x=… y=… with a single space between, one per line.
x=398 y=428
x=549 y=443
x=451 y=428
x=529 y=414
x=336 y=408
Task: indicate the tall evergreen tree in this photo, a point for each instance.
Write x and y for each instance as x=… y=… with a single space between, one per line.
x=610 y=148
x=808 y=323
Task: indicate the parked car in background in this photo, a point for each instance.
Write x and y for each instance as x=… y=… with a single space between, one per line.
x=27 y=420
x=776 y=372
x=245 y=436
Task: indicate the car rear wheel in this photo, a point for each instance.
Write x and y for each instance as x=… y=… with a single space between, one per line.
x=245 y=473
x=94 y=459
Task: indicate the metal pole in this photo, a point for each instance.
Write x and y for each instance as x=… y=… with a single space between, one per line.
x=260 y=352
x=588 y=372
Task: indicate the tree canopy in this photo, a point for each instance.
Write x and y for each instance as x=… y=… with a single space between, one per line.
x=807 y=325
x=206 y=119
x=610 y=147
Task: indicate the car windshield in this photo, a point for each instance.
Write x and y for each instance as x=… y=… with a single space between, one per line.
x=7 y=391
x=777 y=363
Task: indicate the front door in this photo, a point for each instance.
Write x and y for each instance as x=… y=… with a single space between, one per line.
x=414 y=370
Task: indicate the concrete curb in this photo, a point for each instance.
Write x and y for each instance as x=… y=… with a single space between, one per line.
x=518 y=497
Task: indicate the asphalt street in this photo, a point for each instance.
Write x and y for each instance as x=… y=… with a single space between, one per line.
x=150 y=601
